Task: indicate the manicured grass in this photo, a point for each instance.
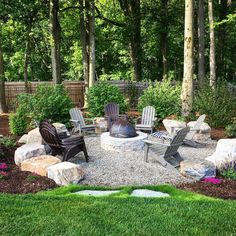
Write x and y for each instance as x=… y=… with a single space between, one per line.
x=59 y=212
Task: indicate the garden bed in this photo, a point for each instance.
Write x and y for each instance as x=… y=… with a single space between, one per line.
x=20 y=182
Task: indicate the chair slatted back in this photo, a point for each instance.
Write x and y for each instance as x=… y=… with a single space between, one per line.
x=76 y=114
x=49 y=134
x=196 y=127
x=148 y=115
x=177 y=141
x=111 y=109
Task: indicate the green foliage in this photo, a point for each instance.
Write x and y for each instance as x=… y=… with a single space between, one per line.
x=164 y=97
x=230 y=130
x=101 y=94
x=228 y=170
x=8 y=142
x=32 y=177
x=49 y=102
x=132 y=93
x=218 y=104
x=19 y=121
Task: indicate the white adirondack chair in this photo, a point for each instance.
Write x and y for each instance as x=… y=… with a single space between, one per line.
x=78 y=121
x=189 y=138
x=147 y=119
x=167 y=154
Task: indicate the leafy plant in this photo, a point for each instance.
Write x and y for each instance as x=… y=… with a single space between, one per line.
x=228 y=170
x=101 y=94
x=49 y=102
x=218 y=104
x=32 y=177
x=8 y=142
x=230 y=130
x=132 y=93
x=3 y=175
x=164 y=97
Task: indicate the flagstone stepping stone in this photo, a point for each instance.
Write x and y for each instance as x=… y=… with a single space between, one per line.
x=97 y=193
x=148 y=193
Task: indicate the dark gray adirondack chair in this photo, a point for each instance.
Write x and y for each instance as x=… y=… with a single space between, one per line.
x=78 y=121
x=189 y=138
x=68 y=147
x=112 y=114
x=167 y=154
x=147 y=119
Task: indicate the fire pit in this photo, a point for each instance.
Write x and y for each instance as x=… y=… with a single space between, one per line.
x=123 y=129
x=122 y=137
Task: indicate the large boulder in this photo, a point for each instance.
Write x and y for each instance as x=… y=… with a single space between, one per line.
x=23 y=139
x=101 y=124
x=172 y=126
x=28 y=151
x=65 y=173
x=34 y=136
x=204 y=132
x=39 y=164
x=197 y=170
x=225 y=152
x=61 y=128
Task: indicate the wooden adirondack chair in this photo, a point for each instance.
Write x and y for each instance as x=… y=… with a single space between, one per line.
x=189 y=138
x=78 y=121
x=112 y=114
x=147 y=119
x=167 y=154
x=68 y=147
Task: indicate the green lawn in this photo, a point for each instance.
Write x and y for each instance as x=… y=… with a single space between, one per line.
x=59 y=212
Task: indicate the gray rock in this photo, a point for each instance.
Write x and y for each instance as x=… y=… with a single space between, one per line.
x=28 y=151
x=34 y=136
x=172 y=126
x=65 y=173
x=96 y=193
x=23 y=139
x=204 y=134
x=61 y=128
x=148 y=193
x=225 y=152
x=197 y=170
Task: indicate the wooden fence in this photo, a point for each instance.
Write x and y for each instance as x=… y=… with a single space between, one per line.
x=12 y=89
x=75 y=89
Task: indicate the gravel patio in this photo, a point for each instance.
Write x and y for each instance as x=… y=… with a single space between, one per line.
x=109 y=168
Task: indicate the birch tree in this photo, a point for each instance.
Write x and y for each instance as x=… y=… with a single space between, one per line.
x=187 y=86
x=212 y=45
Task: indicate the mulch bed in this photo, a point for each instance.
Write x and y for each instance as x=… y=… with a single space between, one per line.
x=21 y=182
x=225 y=190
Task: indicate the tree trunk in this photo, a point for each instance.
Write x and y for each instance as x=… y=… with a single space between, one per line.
x=26 y=62
x=55 y=41
x=3 y=106
x=164 y=37
x=131 y=9
x=221 y=39
x=91 y=44
x=212 y=45
x=201 y=42
x=187 y=86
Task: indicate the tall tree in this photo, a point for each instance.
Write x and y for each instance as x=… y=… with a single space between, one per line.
x=212 y=45
x=187 y=86
x=164 y=36
x=55 y=41
x=3 y=106
x=131 y=9
x=201 y=42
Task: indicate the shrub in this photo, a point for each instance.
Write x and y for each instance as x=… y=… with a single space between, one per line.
x=164 y=97
x=230 y=130
x=218 y=104
x=101 y=94
x=49 y=102
x=8 y=142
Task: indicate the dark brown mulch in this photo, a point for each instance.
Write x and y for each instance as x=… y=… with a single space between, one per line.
x=225 y=190
x=21 y=182
x=218 y=133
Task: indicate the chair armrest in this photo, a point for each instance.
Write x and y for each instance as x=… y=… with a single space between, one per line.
x=156 y=143
x=74 y=139
x=74 y=120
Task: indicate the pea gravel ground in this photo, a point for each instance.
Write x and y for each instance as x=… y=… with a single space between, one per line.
x=108 y=168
